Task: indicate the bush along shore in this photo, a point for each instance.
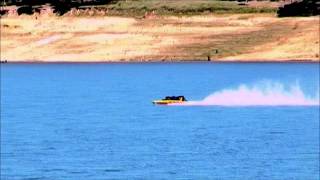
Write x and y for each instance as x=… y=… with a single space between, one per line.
x=138 y=8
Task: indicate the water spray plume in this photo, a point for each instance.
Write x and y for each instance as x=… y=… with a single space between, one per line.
x=268 y=94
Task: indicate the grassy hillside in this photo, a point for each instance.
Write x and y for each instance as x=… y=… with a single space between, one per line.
x=180 y=7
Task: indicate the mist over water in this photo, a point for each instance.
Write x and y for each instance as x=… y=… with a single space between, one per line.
x=260 y=94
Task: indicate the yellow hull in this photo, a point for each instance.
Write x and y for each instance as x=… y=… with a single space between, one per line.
x=166 y=102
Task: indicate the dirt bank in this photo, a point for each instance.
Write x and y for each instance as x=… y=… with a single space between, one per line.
x=253 y=37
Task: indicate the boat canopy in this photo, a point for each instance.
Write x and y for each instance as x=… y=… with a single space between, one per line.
x=182 y=98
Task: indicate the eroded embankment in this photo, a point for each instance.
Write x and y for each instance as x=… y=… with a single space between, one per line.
x=224 y=37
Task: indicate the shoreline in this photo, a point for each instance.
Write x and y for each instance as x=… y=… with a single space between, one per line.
x=166 y=62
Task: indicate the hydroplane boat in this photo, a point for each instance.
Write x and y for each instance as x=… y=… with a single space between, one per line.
x=170 y=100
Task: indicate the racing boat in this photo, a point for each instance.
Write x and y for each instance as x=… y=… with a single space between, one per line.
x=170 y=100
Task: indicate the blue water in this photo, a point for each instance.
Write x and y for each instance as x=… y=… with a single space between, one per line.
x=96 y=121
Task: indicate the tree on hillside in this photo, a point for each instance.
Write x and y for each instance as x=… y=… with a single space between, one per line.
x=64 y=2
x=58 y=6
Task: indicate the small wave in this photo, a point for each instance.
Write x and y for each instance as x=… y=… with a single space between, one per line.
x=265 y=94
x=112 y=170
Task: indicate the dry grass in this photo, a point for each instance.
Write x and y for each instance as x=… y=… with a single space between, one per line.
x=236 y=37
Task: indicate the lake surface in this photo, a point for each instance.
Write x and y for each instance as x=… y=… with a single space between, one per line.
x=96 y=121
